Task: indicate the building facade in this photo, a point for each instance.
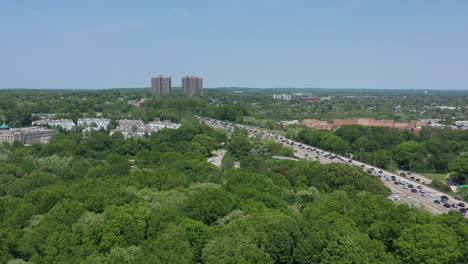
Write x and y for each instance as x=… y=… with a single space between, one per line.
x=26 y=135
x=136 y=128
x=284 y=97
x=318 y=124
x=160 y=85
x=192 y=86
x=66 y=124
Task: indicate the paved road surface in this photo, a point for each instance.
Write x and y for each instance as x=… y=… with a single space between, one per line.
x=411 y=191
x=217 y=159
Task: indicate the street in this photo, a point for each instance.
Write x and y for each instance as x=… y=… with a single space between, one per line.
x=411 y=191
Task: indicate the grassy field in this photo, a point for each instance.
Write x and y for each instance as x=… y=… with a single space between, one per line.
x=437 y=176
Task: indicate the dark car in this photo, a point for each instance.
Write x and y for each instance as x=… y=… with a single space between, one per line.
x=410 y=186
x=414 y=190
x=446 y=205
x=412 y=177
x=418 y=180
x=396 y=183
x=437 y=201
x=363 y=166
x=444 y=197
x=461 y=204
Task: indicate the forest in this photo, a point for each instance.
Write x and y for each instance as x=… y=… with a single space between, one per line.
x=431 y=150
x=106 y=199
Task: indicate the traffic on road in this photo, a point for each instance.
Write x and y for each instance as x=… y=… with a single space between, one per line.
x=412 y=189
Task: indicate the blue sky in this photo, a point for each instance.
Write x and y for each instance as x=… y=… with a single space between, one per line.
x=253 y=43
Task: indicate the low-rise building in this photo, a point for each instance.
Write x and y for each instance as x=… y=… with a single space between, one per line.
x=318 y=124
x=462 y=124
x=66 y=124
x=306 y=98
x=26 y=135
x=98 y=123
x=284 y=97
x=290 y=122
x=136 y=128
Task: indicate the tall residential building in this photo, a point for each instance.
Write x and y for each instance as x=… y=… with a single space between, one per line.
x=161 y=85
x=192 y=85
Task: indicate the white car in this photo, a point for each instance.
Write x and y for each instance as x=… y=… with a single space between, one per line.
x=431 y=195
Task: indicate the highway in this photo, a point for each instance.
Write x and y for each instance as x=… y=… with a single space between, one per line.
x=403 y=189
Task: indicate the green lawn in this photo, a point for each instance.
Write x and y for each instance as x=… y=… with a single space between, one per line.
x=437 y=176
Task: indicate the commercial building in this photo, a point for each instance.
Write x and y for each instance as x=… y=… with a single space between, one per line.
x=363 y=122
x=306 y=98
x=318 y=124
x=25 y=135
x=192 y=86
x=161 y=85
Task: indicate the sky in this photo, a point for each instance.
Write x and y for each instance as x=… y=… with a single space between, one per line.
x=391 y=44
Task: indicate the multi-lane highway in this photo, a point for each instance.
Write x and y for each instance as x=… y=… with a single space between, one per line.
x=403 y=189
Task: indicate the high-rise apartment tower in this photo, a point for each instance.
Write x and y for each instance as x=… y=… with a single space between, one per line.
x=161 y=85
x=192 y=85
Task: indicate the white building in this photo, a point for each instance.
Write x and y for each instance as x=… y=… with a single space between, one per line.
x=158 y=125
x=290 y=122
x=96 y=123
x=444 y=107
x=66 y=124
x=136 y=128
x=284 y=97
x=462 y=124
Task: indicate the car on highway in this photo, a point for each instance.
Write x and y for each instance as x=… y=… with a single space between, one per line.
x=437 y=201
